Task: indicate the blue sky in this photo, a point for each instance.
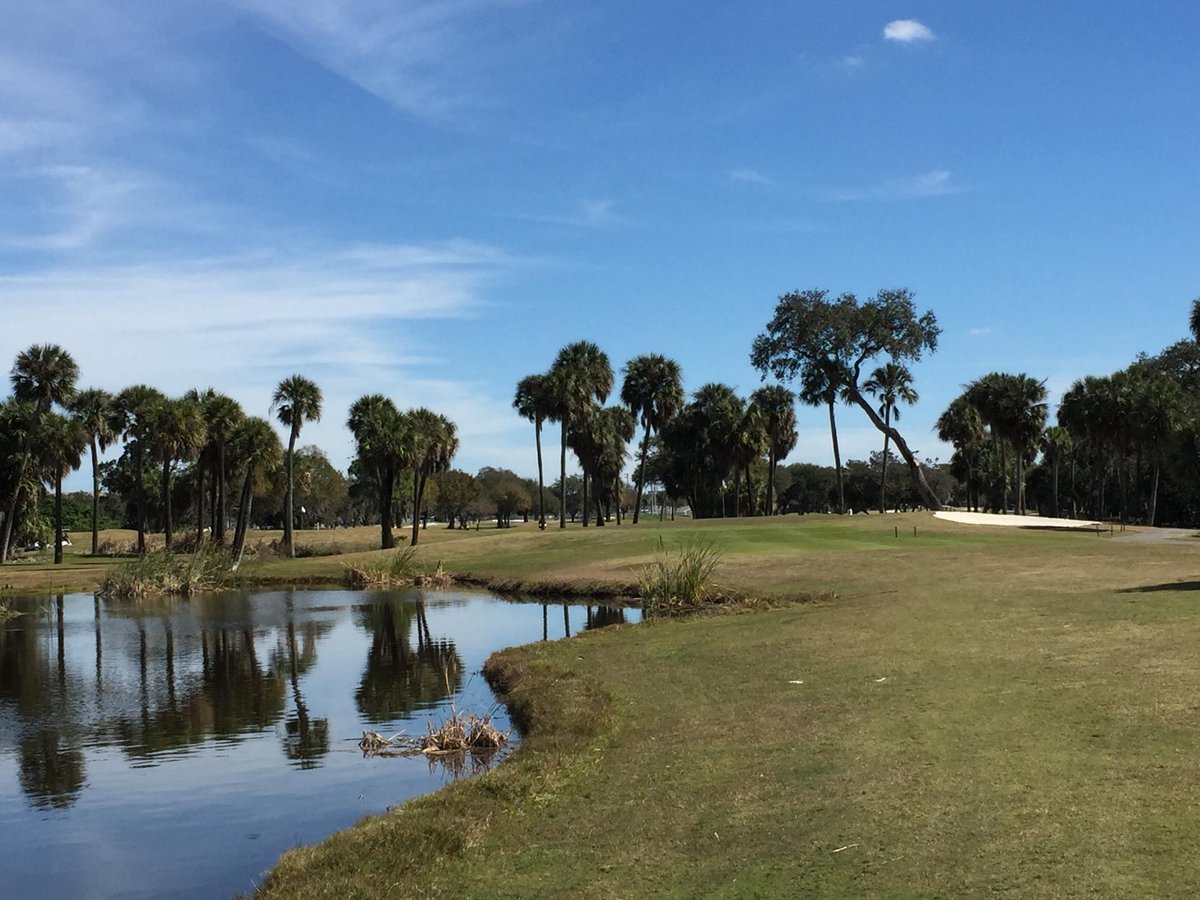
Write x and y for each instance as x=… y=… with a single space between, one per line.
x=429 y=198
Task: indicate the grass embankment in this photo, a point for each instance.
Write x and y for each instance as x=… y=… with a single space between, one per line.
x=576 y=561
x=977 y=712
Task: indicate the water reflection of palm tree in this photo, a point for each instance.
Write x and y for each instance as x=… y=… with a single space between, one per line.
x=52 y=771
x=399 y=679
x=306 y=739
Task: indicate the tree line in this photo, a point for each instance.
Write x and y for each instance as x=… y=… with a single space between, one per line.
x=1125 y=445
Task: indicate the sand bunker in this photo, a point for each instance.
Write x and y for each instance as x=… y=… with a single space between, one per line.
x=974 y=518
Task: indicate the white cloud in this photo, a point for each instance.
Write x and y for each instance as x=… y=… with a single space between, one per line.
x=938 y=183
x=852 y=62
x=907 y=31
x=752 y=176
x=980 y=331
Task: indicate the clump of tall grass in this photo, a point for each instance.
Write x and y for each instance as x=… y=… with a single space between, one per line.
x=397 y=568
x=680 y=577
x=164 y=573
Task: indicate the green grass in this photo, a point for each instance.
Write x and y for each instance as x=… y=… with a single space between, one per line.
x=981 y=712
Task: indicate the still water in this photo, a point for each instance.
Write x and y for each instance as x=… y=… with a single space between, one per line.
x=176 y=748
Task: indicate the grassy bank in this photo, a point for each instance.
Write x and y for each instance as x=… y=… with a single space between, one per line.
x=977 y=711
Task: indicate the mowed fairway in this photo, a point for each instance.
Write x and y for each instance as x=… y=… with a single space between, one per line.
x=977 y=711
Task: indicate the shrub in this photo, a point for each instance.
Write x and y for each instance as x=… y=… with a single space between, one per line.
x=399 y=567
x=679 y=578
x=162 y=572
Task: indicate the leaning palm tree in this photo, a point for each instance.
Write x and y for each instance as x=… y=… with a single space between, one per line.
x=41 y=376
x=653 y=391
x=382 y=438
x=580 y=376
x=891 y=385
x=434 y=443
x=61 y=442
x=93 y=408
x=296 y=401
x=132 y=417
x=531 y=402
x=255 y=447
x=778 y=406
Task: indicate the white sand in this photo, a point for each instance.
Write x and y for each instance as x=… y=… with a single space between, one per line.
x=973 y=518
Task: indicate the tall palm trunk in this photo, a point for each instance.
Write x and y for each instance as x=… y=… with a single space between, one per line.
x=837 y=458
x=562 y=479
x=749 y=490
x=166 y=499
x=584 y=505
x=641 y=479
x=387 y=486
x=769 y=502
x=199 y=500
x=219 y=531
x=737 y=491
x=537 y=431
x=140 y=491
x=243 y=519
x=883 y=465
x=1056 y=485
x=95 y=498
x=58 y=529
x=1157 y=467
x=289 y=538
x=418 y=494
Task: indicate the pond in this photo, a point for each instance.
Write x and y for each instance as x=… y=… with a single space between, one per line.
x=176 y=748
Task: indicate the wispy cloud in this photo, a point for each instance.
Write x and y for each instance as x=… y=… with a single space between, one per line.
x=414 y=54
x=907 y=31
x=932 y=184
x=344 y=315
x=853 y=61
x=752 y=176
x=980 y=331
x=588 y=214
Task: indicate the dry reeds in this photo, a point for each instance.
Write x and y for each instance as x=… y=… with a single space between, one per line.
x=396 y=569
x=459 y=734
x=439 y=578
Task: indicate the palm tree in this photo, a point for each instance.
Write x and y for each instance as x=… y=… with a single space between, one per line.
x=296 y=401
x=751 y=441
x=434 y=443
x=41 y=376
x=221 y=413
x=531 y=402
x=961 y=426
x=891 y=384
x=820 y=385
x=383 y=439
x=132 y=417
x=612 y=428
x=653 y=391
x=1056 y=442
x=93 y=408
x=255 y=446
x=61 y=442
x=580 y=376
x=778 y=406
x=177 y=431
x=1014 y=408
x=1194 y=320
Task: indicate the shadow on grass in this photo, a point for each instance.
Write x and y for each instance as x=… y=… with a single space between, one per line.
x=1168 y=586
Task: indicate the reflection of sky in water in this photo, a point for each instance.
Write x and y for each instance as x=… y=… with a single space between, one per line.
x=177 y=749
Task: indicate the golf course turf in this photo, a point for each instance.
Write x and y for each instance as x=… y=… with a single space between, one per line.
x=967 y=710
